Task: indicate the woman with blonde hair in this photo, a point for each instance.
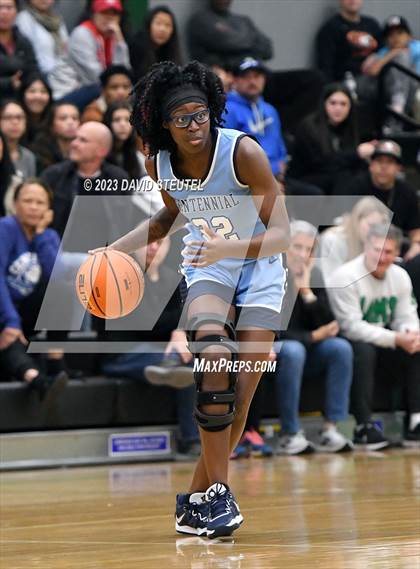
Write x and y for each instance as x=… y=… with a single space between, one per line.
x=345 y=241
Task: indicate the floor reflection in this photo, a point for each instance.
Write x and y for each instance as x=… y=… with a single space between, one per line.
x=199 y=553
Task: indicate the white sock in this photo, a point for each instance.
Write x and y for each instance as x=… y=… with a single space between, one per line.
x=414 y=420
x=197 y=497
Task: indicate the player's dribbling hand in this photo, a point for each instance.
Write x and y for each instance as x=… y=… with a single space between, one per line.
x=204 y=253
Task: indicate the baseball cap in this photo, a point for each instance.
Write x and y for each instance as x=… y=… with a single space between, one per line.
x=103 y=5
x=394 y=22
x=250 y=63
x=388 y=148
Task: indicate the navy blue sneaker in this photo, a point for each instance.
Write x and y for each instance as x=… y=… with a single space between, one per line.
x=224 y=516
x=369 y=436
x=191 y=513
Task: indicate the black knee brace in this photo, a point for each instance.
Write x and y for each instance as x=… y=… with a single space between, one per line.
x=206 y=421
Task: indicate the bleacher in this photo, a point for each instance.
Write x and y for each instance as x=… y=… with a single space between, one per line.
x=94 y=407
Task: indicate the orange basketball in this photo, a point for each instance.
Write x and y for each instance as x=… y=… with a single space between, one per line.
x=110 y=284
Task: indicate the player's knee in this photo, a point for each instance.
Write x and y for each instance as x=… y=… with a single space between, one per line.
x=215 y=388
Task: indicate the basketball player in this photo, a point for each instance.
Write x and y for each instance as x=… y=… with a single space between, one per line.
x=237 y=226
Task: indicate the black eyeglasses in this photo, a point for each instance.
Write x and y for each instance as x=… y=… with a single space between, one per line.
x=184 y=121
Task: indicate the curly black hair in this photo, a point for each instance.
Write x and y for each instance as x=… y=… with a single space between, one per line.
x=149 y=92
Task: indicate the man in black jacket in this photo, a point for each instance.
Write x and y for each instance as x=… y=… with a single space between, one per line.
x=382 y=181
x=309 y=348
x=102 y=215
x=215 y=32
x=345 y=41
x=17 y=57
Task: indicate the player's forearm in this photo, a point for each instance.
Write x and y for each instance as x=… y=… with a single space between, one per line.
x=150 y=230
x=272 y=242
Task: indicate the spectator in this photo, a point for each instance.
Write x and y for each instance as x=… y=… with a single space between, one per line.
x=13 y=124
x=88 y=152
x=46 y=31
x=377 y=313
x=157 y=41
x=413 y=269
x=382 y=181
x=249 y=112
x=124 y=151
x=17 y=58
x=401 y=47
x=125 y=23
x=36 y=100
x=246 y=110
x=173 y=367
x=117 y=82
x=346 y=241
x=344 y=42
x=54 y=145
x=223 y=40
x=8 y=179
x=28 y=250
x=48 y=34
x=214 y=32
x=224 y=73
x=327 y=147
x=310 y=348
x=97 y=43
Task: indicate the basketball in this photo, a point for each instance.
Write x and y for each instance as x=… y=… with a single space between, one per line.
x=110 y=284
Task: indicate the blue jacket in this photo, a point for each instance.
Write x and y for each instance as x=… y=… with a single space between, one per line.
x=23 y=264
x=261 y=120
x=413 y=48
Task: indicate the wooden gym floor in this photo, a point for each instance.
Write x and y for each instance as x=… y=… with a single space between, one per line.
x=358 y=511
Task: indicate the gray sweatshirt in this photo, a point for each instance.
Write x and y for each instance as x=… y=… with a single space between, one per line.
x=83 y=53
x=372 y=310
